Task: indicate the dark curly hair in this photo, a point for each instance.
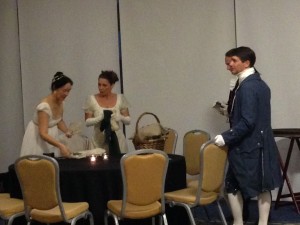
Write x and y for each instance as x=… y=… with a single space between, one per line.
x=59 y=80
x=109 y=75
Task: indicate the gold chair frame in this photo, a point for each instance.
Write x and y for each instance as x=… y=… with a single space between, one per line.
x=10 y=208
x=192 y=142
x=213 y=161
x=171 y=141
x=42 y=207
x=136 y=199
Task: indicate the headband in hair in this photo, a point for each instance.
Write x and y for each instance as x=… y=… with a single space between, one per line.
x=57 y=77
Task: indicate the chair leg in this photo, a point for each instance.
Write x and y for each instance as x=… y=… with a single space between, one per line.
x=12 y=218
x=91 y=218
x=85 y=215
x=153 y=220
x=188 y=210
x=106 y=218
x=109 y=213
x=206 y=212
x=221 y=213
x=165 y=219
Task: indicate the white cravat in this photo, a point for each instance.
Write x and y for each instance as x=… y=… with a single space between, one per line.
x=245 y=73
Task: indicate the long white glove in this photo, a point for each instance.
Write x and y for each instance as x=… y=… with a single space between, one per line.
x=118 y=117
x=93 y=121
x=219 y=140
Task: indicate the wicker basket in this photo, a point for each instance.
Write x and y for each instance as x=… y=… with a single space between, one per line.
x=152 y=143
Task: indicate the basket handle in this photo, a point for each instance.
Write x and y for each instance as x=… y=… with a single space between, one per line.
x=140 y=117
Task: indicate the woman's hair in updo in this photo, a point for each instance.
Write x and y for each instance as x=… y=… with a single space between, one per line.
x=59 y=80
x=109 y=75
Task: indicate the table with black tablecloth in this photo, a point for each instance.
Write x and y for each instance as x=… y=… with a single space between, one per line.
x=100 y=181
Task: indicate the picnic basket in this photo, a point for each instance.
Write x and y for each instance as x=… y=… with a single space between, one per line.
x=151 y=136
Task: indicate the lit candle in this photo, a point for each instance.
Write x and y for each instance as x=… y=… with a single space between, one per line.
x=105 y=157
x=93 y=158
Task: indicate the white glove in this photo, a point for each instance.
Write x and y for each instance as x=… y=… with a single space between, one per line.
x=118 y=117
x=125 y=119
x=93 y=121
x=219 y=140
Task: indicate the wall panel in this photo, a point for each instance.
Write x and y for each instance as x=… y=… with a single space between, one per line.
x=11 y=113
x=173 y=60
x=77 y=37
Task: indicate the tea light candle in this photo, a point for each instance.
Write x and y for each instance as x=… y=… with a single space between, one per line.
x=93 y=158
x=105 y=157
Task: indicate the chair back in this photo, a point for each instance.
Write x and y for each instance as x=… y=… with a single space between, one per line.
x=192 y=142
x=143 y=173
x=171 y=141
x=39 y=180
x=213 y=161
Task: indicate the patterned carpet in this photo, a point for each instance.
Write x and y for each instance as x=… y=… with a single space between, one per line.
x=249 y=223
x=283 y=215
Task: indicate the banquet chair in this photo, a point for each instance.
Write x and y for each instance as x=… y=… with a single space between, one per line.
x=210 y=183
x=4 y=195
x=38 y=176
x=171 y=141
x=192 y=142
x=10 y=208
x=143 y=174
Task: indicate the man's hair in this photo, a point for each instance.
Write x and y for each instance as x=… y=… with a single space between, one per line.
x=244 y=53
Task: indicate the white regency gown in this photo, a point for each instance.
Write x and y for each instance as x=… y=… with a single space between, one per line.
x=98 y=140
x=32 y=141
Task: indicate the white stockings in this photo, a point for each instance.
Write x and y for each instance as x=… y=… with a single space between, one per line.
x=264 y=204
x=236 y=205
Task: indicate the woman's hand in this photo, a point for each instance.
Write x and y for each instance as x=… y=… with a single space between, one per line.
x=119 y=117
x=64 y=151
x=69 y=134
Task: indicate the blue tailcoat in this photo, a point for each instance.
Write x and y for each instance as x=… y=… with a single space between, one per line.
x=253 y=155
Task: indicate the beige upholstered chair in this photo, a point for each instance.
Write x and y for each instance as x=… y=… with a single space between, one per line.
x=171 y=141
x=212 y=169
x=4 y=195
x=39 y=181
x=143 y=173
x=192 y=142
x=10 y=208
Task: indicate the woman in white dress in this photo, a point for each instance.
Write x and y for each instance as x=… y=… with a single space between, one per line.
x=41 y=135
x=106 y=111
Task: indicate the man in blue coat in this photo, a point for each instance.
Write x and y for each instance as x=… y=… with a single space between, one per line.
x=253 y=156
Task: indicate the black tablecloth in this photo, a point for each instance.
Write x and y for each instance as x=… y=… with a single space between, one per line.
x=100 y=181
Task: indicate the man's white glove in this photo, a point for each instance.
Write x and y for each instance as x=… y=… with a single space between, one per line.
x=93 y=121
x=118 y=117
x=219 y=140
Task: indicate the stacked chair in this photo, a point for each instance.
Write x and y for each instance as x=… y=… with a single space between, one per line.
x=39 y=180
x=171 y=141
x=143 y=174
x=192 y=142
x=209 y=184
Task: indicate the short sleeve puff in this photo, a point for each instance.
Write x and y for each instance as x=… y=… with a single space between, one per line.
x=88 y=105
x=124 y=103
x=44 y=107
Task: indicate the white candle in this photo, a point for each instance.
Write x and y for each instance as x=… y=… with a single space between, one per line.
x=93 y=158
x=105 y=157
